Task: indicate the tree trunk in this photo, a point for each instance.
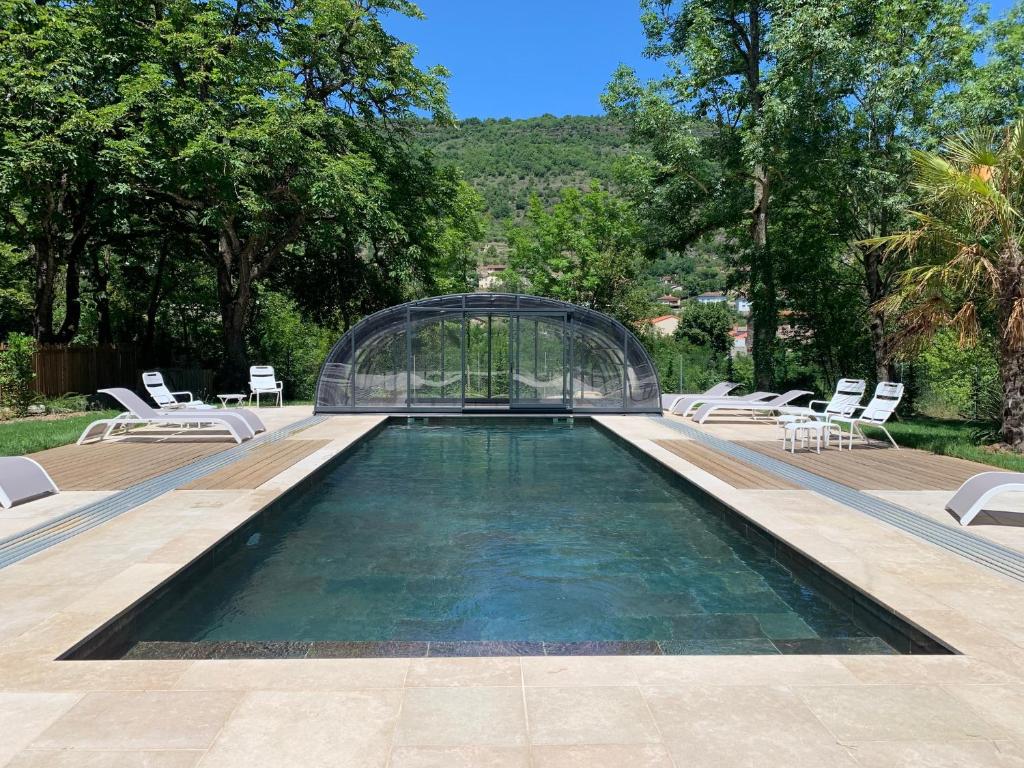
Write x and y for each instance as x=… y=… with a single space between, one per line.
x=42 y=305
x=234 y=293
x=153 y=306
x=1011 y=349
x=100 y=280
x=884 y=368
x=72 y=301
x=764 y=312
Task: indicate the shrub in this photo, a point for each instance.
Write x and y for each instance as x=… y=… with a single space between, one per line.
x=296 y=348
x=17 y=373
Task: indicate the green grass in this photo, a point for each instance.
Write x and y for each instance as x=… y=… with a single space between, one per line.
x=948 y=438
x=30 y=435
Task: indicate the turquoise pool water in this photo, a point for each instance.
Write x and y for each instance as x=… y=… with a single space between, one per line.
x=541 y=536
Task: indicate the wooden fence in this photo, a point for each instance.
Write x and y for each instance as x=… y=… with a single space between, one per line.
x=62 y=369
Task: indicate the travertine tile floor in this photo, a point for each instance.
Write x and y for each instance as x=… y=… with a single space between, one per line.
x=638 y=712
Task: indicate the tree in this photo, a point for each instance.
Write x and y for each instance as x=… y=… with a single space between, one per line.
x=262 y=119
x=967 y=244
x=63 y=142
x=911 y=55
x=740 y=74
x=585 y=251
x=706 y=325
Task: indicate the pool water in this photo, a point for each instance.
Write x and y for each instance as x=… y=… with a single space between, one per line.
x=553 y=536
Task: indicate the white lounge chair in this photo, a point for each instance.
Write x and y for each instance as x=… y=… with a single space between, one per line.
x=753 y=408
x=687 y=405
x=153 y=381
x=23 y=479
x=140 y=414
x=883 y=405
x=668 y=401
x=971 y=497
x=846 y=397
x=262 y=381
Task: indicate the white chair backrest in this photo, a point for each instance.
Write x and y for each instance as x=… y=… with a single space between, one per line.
x=884 y=403
x=132 y=403
x=721 y=388
x=848 y=394
x=154 y=383
x=262 y=377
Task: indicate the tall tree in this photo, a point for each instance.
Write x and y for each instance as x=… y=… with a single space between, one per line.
x=586 y=251
x=911 y=55
x=739 y=72
x=255 y=116
x=967 y=246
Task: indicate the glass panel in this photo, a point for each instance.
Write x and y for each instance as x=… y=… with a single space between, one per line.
x=539 y=357
x=381 y=371
x=487 y=358
x=598 y=364
x=436 y=360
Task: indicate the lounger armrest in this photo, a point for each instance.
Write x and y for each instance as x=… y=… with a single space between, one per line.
x=280 y=384
x=190 y=398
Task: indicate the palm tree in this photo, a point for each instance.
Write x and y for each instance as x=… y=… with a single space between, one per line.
x=965 y=252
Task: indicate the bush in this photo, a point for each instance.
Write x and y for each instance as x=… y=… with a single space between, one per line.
x=17 y=373
x=296 y=348
x=952 y=382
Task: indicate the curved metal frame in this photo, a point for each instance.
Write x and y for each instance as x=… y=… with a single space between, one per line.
x=378 y=365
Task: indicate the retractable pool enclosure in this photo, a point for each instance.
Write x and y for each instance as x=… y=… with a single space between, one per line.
x=482 y=352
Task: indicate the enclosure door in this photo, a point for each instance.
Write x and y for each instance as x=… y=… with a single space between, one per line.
x=487 y=371
x=540 y=362
x=435 y=364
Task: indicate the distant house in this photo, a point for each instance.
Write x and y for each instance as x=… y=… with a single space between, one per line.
x=742 y=305
x=668 y=300
x=664 y=325
x=739 y=341
x=487 y=276
x=712 y=297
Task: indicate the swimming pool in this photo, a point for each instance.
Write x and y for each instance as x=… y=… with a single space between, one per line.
x=502 y=536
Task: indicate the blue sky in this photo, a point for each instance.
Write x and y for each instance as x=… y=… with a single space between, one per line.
x=523 y=58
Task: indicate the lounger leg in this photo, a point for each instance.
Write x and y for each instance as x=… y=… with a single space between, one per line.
x=889 y=436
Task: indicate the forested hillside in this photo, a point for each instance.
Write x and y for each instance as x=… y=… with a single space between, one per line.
x=507 y=160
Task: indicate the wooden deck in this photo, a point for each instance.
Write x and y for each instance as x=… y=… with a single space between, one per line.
x=736 y=473
x=260 y=466
x=874 y=467
x=116 y=465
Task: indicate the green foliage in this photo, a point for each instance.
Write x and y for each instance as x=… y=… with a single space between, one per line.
x=956 y=382
x=585 y=251
x=507 y=161
x=295 y=347
x=24 y=436
x=17 y=373
x=706 y=325
x=682 y=366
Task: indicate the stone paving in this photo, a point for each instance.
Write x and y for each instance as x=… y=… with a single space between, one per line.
x=543 y=712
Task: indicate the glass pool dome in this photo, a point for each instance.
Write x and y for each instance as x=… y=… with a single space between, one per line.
x=488 y=352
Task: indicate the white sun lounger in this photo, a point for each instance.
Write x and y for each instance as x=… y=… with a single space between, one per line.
x=153 y=381
x=883 y=405
x=846 y=398
x=249 y=417
x=669 y=401
x=140 y=414
x=753 y=408
x=21 y=480
x=687 y=405
x=971 y=497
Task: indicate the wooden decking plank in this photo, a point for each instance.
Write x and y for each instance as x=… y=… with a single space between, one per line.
x=118 y=465
x=736 y=473
x=259 y=467
x=883 y=469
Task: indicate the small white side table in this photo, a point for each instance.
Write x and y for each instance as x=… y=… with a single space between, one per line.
x=226 y=400
x=804 y=429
